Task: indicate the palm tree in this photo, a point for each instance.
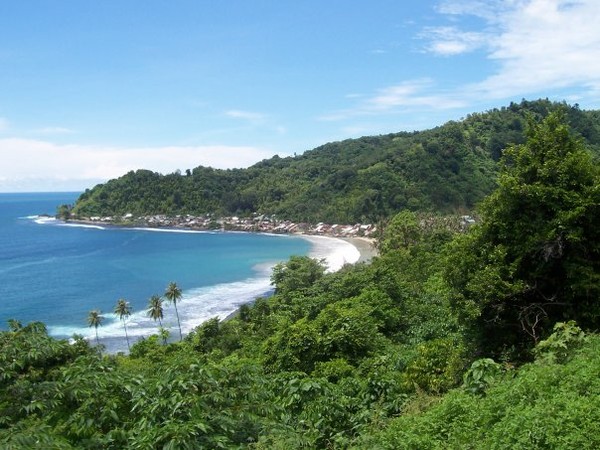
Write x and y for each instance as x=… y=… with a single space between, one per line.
x=123 y=310
x=155 y=310
x=95 y=319
x=164 y=334
x=173 y=293
x=14 y=325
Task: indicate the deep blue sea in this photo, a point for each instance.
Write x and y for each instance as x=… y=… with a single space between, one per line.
x=56 y=273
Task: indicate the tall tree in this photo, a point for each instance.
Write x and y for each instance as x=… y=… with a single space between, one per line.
x=155 y=309
x=535 y=259
x=123 y=310
x=95 y=319
x=173 y=294
x=155 y=312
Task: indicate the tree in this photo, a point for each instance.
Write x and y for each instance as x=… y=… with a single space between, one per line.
x=95 y=320
x=402 y=232
x=63 y=212
x=155 y=310
x=298 y=273
x=535 y=259
x=173 y=294
x=14 y=325
x=123 y=310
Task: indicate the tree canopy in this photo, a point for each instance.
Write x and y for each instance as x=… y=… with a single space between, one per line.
x=449 y=168
x=455 y=336
x=535 y=257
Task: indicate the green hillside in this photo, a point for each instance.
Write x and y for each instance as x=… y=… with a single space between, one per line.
x=447 y=169
x=484 y=338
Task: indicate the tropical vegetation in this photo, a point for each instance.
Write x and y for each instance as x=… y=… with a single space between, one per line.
x=123 y=310
x=95 y=319
x=485 y=337
x=449 y=169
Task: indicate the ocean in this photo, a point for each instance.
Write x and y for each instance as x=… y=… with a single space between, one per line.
x=56 y=273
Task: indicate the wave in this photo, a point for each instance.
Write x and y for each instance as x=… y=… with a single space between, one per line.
x=29 y=217
x=201 y=304
x=171 y=230
x=336 y=252
x=19 y=266
x=44 y=220
x=195 y=307
x=81 y=225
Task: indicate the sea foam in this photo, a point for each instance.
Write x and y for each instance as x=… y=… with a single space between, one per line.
x=201 y=304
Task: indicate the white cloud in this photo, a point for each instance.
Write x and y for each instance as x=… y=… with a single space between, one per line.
x=406 y=96
x=488 y=10
x=545 y=45
x=452 y=41
x=3 y=124
x=548 y=48
x=538 y=46
x=54 y=130
x=245 y=115
x=410 y=94
x=255 y=120
x=28 y=159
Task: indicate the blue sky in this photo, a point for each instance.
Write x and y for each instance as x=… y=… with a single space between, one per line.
x=92 y=89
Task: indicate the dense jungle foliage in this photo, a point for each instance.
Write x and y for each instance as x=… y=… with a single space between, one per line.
x=478 y=339
x=446 y=169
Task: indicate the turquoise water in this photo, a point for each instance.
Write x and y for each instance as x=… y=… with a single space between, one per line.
x=56 y=273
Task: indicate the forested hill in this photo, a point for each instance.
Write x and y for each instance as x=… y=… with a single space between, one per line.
x=480 y=339
x=449 y=168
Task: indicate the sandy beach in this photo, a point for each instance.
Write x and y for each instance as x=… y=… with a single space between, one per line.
x=336 y=252
x=365 y=246
x=224 y=300
x=340 y=251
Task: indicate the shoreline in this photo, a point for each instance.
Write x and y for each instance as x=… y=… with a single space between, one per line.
x=365 y=246
x=363 y=251
x=337 y=251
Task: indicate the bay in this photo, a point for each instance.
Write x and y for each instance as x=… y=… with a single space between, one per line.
x=56 y=273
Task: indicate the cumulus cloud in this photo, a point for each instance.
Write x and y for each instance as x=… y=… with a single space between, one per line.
x=545 y=45
x=46 y=162
x=537 y=46
x=406 y=96
x=450 y=41
x=548 y=48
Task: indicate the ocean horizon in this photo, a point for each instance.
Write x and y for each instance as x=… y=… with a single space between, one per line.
x=57 y=272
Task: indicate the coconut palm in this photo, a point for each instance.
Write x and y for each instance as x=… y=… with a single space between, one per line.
x=123 y=310
x=155 y=310
x=95 y=319
x=173 y=293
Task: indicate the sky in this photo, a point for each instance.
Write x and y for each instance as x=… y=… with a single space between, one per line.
x=90 y=90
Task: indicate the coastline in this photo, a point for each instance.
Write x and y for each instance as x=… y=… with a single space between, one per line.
x=336 y=251
x=365 y=246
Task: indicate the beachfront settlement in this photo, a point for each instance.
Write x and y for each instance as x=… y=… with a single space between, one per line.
x=255 y=223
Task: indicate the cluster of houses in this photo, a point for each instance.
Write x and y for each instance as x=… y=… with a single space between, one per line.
x=257 y=223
